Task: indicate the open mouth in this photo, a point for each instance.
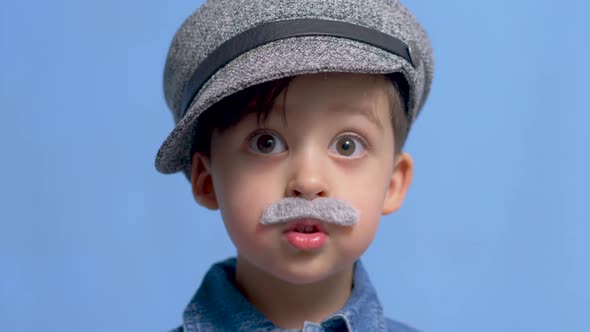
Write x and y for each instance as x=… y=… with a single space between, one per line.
x=306 y=235
x=306 y=226
x=306 y=229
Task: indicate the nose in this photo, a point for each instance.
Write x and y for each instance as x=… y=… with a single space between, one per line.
x=307 y=179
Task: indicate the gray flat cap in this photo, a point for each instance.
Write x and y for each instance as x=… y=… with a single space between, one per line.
x=228 y=45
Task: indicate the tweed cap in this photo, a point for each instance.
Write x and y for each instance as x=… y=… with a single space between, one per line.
x=222 y=49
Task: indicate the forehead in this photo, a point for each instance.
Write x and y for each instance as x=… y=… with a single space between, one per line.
x=342 y=94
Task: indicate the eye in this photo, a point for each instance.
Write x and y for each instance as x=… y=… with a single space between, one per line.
x=266 y=143
x=349 y=146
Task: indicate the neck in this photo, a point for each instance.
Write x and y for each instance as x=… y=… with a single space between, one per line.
x=309 y=302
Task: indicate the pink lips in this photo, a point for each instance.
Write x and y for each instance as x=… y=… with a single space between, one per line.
x=306 y=235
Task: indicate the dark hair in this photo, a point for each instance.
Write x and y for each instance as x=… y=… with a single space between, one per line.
x=260 y=99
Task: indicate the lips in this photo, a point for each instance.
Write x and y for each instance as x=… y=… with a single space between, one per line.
x=306 y=234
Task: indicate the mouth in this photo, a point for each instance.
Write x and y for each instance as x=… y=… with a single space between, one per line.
x=306 y=234
x=306 y=226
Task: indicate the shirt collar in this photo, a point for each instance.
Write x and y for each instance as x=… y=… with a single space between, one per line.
x=219 y=305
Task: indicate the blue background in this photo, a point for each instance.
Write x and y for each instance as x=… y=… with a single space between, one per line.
x=493 y=235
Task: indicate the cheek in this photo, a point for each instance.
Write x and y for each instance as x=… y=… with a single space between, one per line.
x=368 y=190
x=241 y=205
x=370 y=214
x=369 y=202
x=244 y=190
x=242 y=196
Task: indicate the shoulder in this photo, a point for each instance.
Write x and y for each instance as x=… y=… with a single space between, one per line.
x=178 y=329
x=395 y=326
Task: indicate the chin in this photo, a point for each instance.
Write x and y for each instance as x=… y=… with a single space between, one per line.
x=307 y=272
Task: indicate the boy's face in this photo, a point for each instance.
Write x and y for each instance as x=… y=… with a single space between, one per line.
x=336 y=140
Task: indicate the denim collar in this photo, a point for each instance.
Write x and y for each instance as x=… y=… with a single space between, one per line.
x=219 y=305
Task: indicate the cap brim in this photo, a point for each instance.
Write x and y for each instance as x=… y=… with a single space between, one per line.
x=283 y=58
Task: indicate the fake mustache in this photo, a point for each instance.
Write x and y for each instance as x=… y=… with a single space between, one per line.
x=330 y=210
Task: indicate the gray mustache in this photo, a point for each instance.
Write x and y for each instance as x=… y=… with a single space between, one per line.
x=330 y=210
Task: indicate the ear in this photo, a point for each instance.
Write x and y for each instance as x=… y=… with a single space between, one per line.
x=202 y=182
x=400 y=181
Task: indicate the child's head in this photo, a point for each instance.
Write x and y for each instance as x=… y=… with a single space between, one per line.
x=309 y=98
x=325 y=135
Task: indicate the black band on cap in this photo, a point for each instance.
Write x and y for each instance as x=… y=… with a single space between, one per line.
x=273 y=31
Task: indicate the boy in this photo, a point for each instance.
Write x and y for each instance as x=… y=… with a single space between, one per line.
x=291 y=118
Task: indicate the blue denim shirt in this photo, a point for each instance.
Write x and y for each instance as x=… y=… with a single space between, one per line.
x=219 y=306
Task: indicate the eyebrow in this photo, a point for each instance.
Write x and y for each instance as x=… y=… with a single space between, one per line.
x=366 y=112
